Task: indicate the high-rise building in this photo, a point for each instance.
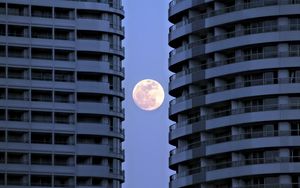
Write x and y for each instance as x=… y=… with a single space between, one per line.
x=236 y=85
x=61 y=93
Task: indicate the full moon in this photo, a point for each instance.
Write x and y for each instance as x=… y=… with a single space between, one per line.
x=148 y=94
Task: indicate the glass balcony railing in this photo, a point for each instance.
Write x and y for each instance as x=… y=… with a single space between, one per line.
x=281 y=185
x=237 y=137
x=239 y=59
x=229 y=9
x=230 y=112
x=253 y=161
x=109 y=2
x=243 y=32
x=237 y=85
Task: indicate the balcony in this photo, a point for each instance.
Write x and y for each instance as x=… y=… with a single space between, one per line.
x=234 y=34
x=234 y=8
x=231 y=164
x=239 y=59
x=249 y=109
x=230 y=138
x=238 y=85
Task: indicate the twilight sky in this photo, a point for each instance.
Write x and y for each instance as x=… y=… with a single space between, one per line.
x=146 y=145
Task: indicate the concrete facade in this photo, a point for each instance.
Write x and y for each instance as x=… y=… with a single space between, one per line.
x=61 y=93
x=236 y=86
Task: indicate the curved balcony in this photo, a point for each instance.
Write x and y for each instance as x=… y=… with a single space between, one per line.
x=178 y=6
x=236 y=35
x=100 y=108
x=100 y=67
x=234 y=112
x=238 y=168
x=117 y=49
x=212 y=146
x=281 y=185
x=237 y=85
x=82 y=23
x=235 y=8
x=233 y=91
x=235 y=65
x=105 y=150
x=118 y=8
x=104 y=5
x=200 y=50
x=103 y=129
x=255 y=117
x=238 y=137
x=99 y=87
x=93 y=45
x=90 y=170
x=197 y=75
x=23 y=83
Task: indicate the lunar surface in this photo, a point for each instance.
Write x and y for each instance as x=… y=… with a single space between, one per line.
x=148 y=94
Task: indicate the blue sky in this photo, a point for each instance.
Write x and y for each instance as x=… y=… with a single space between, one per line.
x=147 y=50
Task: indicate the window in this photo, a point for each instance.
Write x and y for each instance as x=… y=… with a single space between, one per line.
x=270 y=25
x=294 y=102
x=270 y=51
x=271 y=156
x=295 y=76
x=294 y=50
x=268 y=77
x=253 y=105
x=295 y=126
x=39 y=74
x=45 y=12
x=253 y=53
x=270 y=181
x=268 y=130
x=41 y=32
x=294 y=23
x=270 y=103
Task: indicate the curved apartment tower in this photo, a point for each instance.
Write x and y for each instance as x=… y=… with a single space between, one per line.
x=61 y=94
x=236 y=85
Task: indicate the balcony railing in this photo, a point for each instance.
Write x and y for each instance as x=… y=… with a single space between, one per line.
x=17 y=140
x=41 y=36
x=109 y=2
x=239 y=59
x=230 y=112
x=41 y=162
x=17 y=54
x=42 y=56
x=17 y=34
x=229 y=9
x=292 y=185
x=41 y=76
x=16 y=182
x=41 y=119
x=237 y=137
x=41 y=184
x=237 y=85
x=41 y=98
x=231 y=164
x=64 y=163
x=239 y=33
x=17 y=161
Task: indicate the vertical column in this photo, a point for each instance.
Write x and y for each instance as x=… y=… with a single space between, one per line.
x=284 y=128
x=283 y=24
